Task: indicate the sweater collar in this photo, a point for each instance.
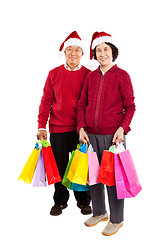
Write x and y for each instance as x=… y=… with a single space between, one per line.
x=68 y=68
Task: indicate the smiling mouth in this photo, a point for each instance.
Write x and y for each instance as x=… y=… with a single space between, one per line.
x=72 y=58
x=103 y=59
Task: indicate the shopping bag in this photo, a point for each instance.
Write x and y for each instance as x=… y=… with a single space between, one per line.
x=51 y=168
x=79 y=187
x=79 y=168
x=29 y=168
x=83 y=147
x=66 y=182
x=112 y=148
x=93 y=166
x=106 y=171
x=127 y=182
x=39 y=178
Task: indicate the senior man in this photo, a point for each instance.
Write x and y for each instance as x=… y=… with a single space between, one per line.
x=59 y=104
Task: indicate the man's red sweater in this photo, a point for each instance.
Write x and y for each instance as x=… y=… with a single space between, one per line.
x=107 y=102
x=60 y=97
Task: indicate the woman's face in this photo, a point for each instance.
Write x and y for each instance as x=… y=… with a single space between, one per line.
x=104 y=54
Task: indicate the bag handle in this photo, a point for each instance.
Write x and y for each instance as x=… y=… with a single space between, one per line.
x=84 y=144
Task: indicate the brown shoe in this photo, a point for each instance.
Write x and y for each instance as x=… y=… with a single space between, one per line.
x=85 y=210
x=57 y=209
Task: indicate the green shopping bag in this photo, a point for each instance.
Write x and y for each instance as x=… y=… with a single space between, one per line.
x=66 y=182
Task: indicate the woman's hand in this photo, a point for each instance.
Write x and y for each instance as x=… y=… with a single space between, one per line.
x=83 y=137
x=119 y=135
x=42 y=134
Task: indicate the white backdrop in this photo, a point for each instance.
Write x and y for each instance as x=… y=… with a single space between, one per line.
x=31 y=33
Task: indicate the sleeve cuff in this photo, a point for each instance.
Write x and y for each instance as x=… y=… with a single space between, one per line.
x=126 y=128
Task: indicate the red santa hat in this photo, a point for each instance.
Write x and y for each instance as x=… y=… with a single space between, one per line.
x=72 y=40
x=98 y=38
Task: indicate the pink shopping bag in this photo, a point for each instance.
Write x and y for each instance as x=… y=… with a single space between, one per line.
x=93 y=168
x=127 y=182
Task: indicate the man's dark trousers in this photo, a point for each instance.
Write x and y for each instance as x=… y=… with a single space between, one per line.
x=62 y=144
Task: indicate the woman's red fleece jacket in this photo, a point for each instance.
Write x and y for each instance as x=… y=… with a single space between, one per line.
x=106 y=103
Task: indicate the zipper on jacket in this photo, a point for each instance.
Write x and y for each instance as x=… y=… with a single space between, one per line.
x=98 y=103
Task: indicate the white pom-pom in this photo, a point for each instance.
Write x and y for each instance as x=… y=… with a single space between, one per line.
x=60 y=54
x=90 y=64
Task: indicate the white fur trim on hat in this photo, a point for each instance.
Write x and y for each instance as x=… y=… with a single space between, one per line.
x=73 y=42
x=100 y=40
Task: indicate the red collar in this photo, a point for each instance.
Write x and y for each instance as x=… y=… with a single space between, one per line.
x=111 y=69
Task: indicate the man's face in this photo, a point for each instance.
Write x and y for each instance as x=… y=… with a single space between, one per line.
x=73 y=55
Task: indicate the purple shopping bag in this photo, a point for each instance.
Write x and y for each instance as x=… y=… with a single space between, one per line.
x=127 y=182
x=39 y=179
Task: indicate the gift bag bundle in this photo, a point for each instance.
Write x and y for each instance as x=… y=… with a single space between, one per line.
x=82 y=169
x=41 y=166
x=117 y=168
x=76 y=171
x=79 y=168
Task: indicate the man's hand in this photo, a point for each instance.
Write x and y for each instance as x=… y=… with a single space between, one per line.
x=42 y=134
x=119 y=135
x=83 y=137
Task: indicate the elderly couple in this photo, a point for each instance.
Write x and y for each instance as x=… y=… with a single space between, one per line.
x=82 y=105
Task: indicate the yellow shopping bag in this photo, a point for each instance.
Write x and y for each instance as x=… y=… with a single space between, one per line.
x=79 y=168
x=29 y=168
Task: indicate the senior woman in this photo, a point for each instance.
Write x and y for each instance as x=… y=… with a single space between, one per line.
x=104 y=114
